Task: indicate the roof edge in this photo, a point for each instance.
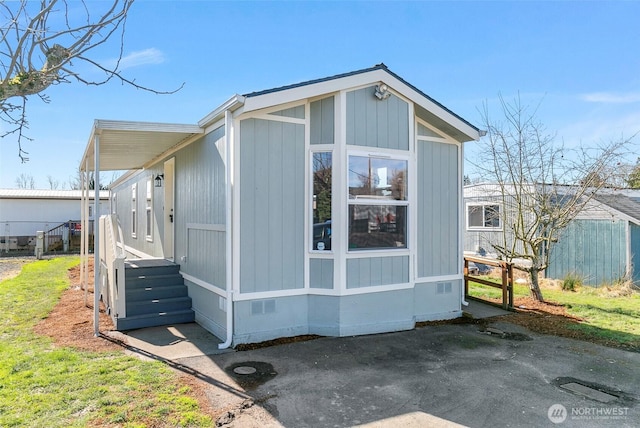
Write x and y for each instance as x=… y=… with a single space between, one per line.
x=376 y=67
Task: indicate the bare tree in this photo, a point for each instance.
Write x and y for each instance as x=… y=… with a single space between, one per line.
x=53 y=183
x=45 y=43
x=25 y=181
x=541 y=185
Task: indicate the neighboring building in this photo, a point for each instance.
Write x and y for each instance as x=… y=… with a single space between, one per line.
x=23 y=212
x=602 y=245
x=327 y=207
x=599 y=245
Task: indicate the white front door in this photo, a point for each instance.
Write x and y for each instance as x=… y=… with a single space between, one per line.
x=169 y=229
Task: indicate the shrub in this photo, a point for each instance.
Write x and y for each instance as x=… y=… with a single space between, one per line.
x=571 y=281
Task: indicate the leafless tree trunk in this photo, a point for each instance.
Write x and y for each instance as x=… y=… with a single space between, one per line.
x=541 y=185
x=25 y=181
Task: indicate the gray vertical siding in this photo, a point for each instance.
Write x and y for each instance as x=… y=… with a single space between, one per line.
x=593 y=249
x=437 y=210
x=200 y=199
x=321 y=273
x=372 y=271
x=322 y=121
x=271 y=205
x=123 y=210
x=476 y=239
x=377 y=123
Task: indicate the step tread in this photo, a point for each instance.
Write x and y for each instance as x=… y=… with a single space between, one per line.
x=154 y=320
x=158 y=314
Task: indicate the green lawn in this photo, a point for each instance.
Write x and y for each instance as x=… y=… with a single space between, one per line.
x=41 y=385
x=614 y=319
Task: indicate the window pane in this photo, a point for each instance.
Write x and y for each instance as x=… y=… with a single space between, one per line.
x=376 y=178
x=377 y=226
x=475 y=216
x=322 y=196
x=148 y=222
x=492 y=216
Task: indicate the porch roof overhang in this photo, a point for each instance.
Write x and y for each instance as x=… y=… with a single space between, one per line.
x=125 y=145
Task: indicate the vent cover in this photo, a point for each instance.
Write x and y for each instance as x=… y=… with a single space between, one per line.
x=444 y=288
x=259 y=307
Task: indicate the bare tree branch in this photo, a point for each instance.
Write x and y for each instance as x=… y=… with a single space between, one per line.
x=541 y=185
x=44 y=42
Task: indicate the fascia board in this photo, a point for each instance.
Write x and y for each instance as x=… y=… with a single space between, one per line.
x=253 y=103
x=231 y=104
x=119 y=125
x=89 y=148
x=271 y=99
x=429 y=105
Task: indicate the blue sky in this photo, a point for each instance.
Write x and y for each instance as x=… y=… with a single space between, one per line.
x=580 y=60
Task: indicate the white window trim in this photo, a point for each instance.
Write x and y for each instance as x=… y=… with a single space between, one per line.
x=375 y=152
x=482 y=228
x=320 y=148
x=148 y=214
x=134 y=210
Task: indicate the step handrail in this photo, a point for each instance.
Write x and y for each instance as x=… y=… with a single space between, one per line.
x=112 y=274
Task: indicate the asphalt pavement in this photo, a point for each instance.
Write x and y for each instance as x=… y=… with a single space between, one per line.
x=476 y=375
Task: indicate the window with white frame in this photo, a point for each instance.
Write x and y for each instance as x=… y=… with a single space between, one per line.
x=149 y=210
x=378 y=202
x=134 y=216
x=322 y=166
x=483 y=216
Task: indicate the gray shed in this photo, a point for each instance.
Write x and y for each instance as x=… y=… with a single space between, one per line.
x=602 y=245
x=329 y=207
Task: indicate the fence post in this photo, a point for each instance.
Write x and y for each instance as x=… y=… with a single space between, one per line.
x=505 y=281
x=466 y=277
x=510 y=277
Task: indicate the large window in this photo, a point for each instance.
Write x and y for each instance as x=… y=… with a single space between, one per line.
x=483 y=216
x=322 y=194
x=378 y=202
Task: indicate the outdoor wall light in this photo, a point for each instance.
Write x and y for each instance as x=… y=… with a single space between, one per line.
x=382 y=91
x=159 y=179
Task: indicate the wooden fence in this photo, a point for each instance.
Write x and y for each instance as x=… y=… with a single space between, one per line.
x=506 y=284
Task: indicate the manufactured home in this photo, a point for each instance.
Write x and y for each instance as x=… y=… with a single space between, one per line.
x=600 y=245
x=329 y=207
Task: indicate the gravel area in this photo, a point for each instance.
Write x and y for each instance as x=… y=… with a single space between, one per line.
x=11 y=266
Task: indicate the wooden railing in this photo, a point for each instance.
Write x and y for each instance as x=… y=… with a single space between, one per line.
x=506 y=284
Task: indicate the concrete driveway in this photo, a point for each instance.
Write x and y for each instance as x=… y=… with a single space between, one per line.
x=446 y=375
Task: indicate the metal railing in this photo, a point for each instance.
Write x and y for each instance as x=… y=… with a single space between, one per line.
x=20 y=237
x=112 y=257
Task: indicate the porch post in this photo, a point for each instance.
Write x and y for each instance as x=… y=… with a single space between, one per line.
x=96 y=241
x=83 y=283
x=85 y=230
